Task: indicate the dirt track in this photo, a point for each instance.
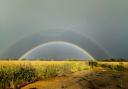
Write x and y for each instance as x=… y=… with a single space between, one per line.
x=73 y=81
x=84 y=80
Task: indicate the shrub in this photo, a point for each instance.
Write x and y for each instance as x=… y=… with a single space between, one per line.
x=120 y=67
x=93 y=64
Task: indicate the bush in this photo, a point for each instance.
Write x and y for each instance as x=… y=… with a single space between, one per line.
x=120 y=67
x=104 y=65
x=93 y=64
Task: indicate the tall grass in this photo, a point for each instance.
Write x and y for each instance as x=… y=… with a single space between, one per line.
x=115 y=66
x=16 y=73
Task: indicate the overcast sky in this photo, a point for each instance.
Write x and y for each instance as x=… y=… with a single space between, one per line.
x=103 y=21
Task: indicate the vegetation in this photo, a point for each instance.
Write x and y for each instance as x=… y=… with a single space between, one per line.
x=115 y=66
x=103 y=75
x=15 y=74
x=113 y=60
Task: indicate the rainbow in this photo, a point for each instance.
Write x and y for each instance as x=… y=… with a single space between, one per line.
x=56 y=42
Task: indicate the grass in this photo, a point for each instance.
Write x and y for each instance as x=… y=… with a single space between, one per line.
x=15 y=74
x=103 y=75
x=115 y=66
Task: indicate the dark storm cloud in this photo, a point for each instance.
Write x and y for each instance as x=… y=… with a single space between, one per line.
x=24 y=45
x=106 y=21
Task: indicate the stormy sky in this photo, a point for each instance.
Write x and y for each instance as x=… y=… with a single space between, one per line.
x=100 y=27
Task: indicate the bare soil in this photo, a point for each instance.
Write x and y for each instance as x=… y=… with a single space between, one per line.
x=92 y=79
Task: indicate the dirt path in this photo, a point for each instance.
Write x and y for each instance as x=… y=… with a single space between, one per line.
x=85 y=80
x=77 y=80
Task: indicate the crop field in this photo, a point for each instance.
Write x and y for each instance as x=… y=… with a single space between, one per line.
x=16 y=74
x=63 y=75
